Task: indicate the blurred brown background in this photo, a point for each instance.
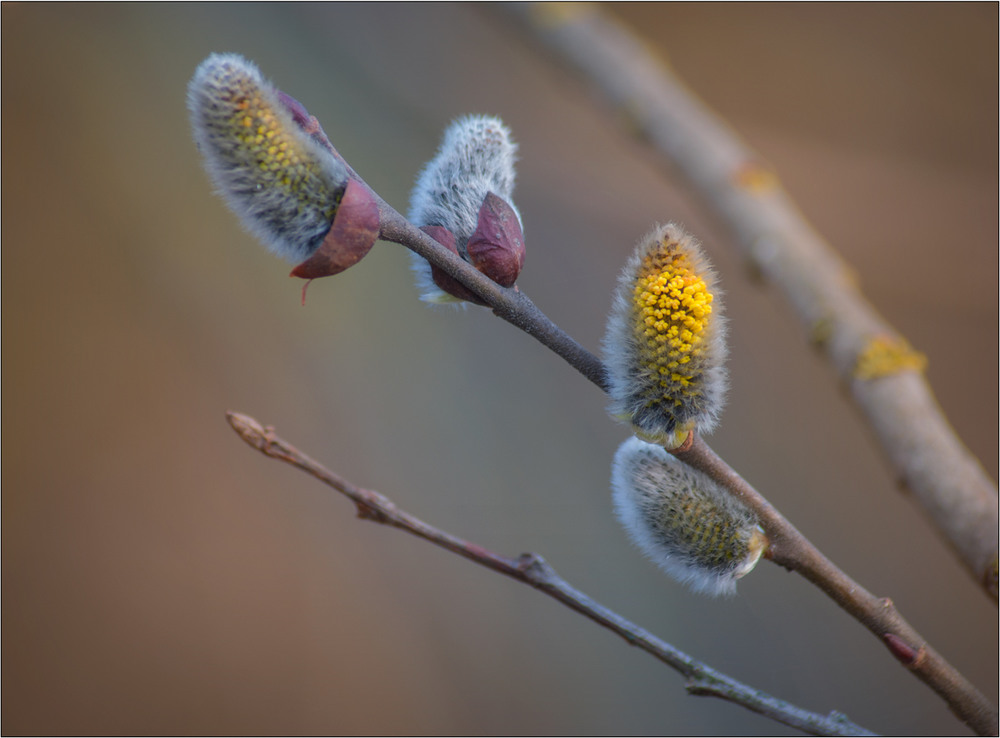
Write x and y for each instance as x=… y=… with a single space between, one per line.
x=160 y=577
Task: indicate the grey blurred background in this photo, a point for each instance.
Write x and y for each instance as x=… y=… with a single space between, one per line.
x=161 y=577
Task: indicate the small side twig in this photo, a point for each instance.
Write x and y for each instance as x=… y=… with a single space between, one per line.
x=533 y=570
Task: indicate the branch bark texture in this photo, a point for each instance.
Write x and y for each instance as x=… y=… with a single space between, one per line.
x=874 y=361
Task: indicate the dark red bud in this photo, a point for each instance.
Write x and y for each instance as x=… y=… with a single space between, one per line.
x=308 y=123
x=355 y=230
x=902 y=650
x=300 y=115
x=496 y=247
x=443 y=280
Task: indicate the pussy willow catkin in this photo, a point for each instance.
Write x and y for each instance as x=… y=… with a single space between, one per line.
x=691 y=527
x=476 y=157
x=665 y=342
x=284 y=186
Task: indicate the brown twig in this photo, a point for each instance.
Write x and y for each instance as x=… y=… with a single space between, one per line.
x=533 y=570
x=945 y=479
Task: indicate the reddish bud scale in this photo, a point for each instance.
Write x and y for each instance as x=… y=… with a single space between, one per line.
x=355 y=230
x=308 y=123
x=442 y=279
x=467 y=188
x=298 y=111
x=496 y=247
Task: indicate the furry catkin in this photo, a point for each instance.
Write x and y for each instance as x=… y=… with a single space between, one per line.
x=691 y=527
x=665 y=341
x=476 y=157
x=283 y=185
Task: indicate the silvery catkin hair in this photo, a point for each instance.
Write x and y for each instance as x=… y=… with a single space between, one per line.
x=283 y=185
x=476 y=157
x=692 y=528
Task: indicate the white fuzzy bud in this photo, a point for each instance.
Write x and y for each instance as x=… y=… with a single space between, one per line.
x=476 y=158
x=692 y=528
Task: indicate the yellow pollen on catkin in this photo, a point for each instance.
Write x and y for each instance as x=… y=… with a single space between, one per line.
x=665 y=342
x=672 y=307
x=755 y=177
x=274 y=148
x=276 y=151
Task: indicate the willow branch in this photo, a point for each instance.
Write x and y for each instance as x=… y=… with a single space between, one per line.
x=871 y=358
x=533 y=570
x=789 y=547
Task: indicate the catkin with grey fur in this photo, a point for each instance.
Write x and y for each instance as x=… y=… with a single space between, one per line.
x=665 y=346
x=476 y=156
x=283 y=185
x=692 y=528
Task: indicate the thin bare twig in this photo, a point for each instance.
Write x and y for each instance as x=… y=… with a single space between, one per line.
x=533 y=570
x=876 y=363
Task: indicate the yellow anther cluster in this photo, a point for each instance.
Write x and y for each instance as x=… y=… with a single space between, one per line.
x=712 y=538
x=672 y=305
x=273 y=145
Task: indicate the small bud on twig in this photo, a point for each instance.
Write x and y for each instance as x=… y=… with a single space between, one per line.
x=903 y=651
x=466 y=188
x=680 y=518
x=665 y=342
x=352 y=235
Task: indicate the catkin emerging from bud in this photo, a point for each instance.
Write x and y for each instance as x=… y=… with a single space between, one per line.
x=665 y=342
x=475 y=160
x=691 y=527
x=284 y=186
